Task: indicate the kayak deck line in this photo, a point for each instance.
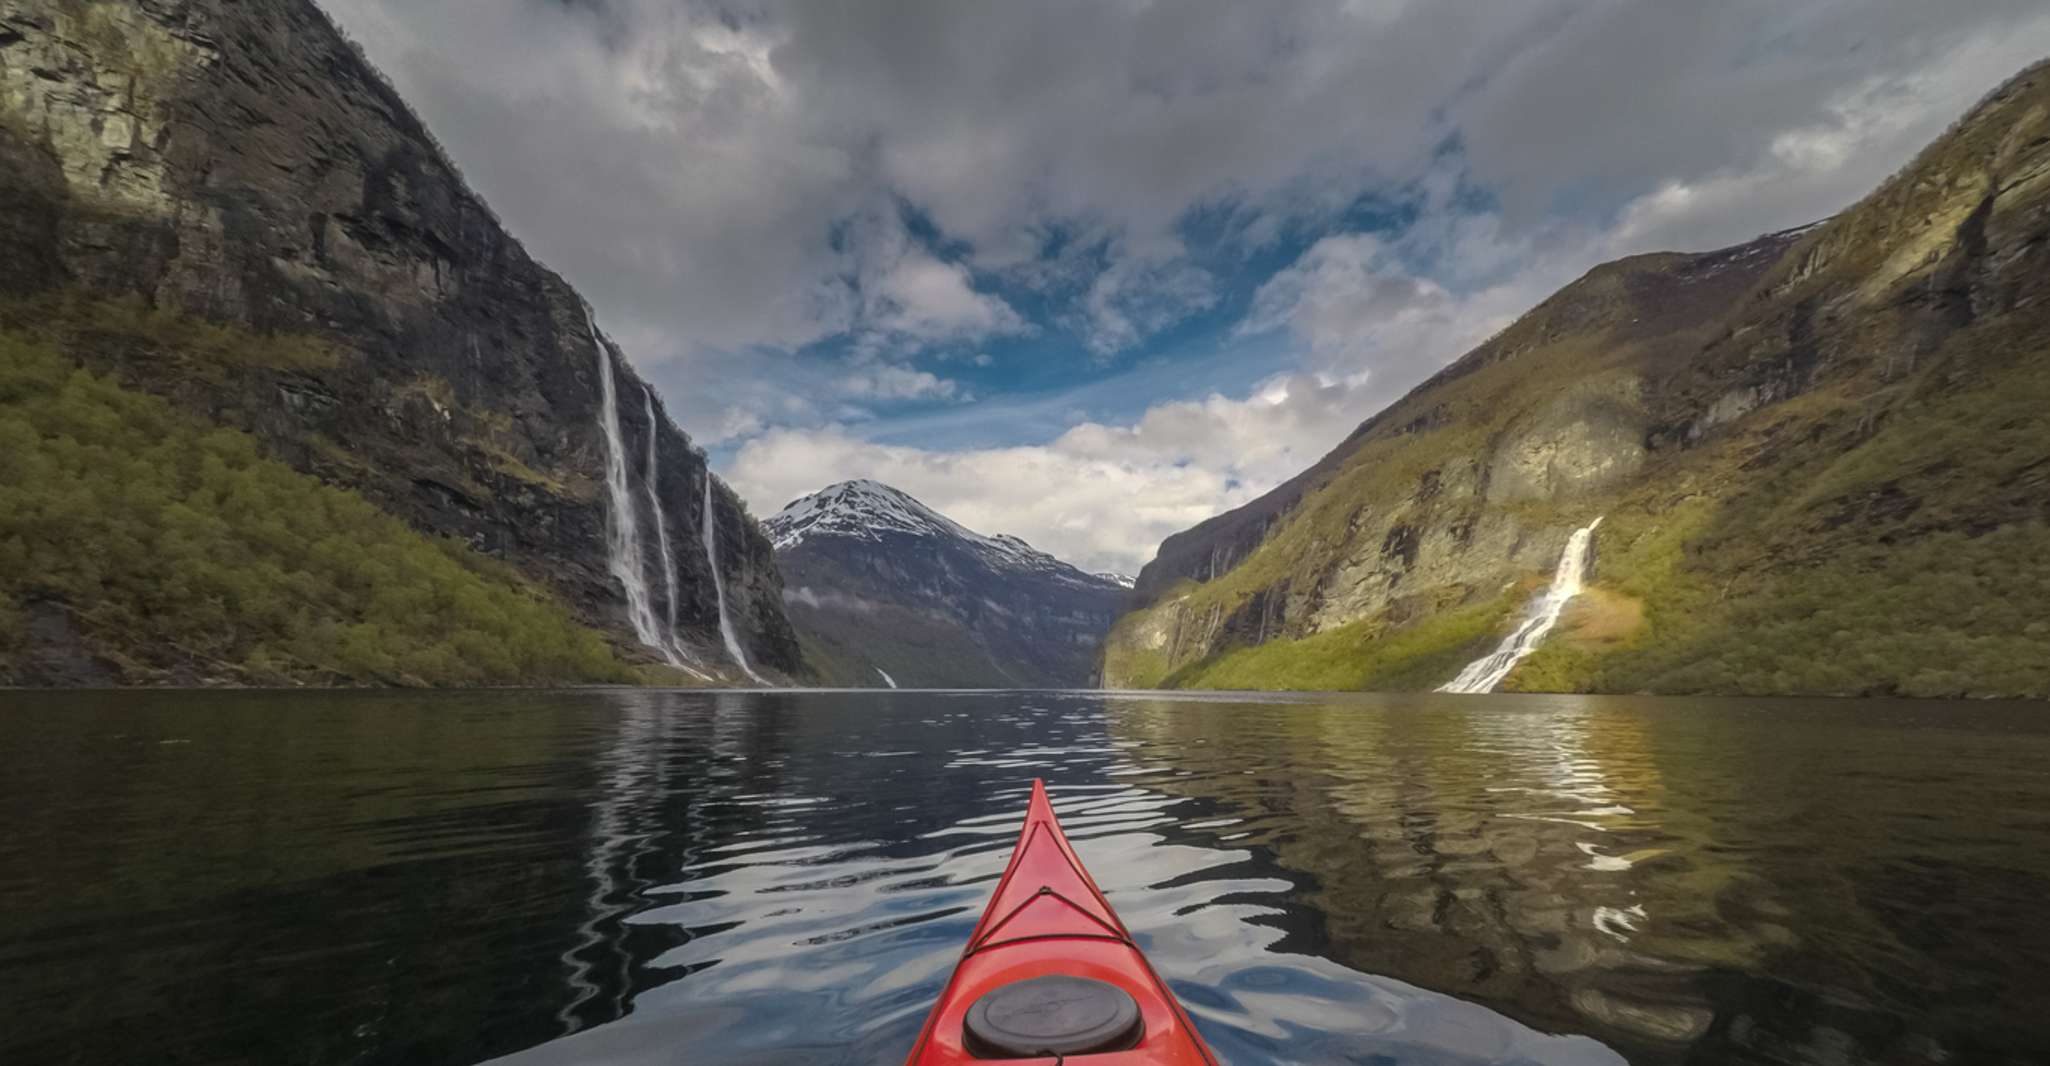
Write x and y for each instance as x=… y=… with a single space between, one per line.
x=1051 y=974
x=1103 y=918
x=1046 y=893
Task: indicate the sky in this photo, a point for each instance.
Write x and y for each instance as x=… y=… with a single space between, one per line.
x=1091 y=271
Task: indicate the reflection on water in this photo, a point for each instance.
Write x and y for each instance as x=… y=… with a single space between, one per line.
x=629 y=877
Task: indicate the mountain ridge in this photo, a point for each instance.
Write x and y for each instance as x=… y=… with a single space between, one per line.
x=883 y=587
x=865 y=509
x=1728 y=410
x=174 y=168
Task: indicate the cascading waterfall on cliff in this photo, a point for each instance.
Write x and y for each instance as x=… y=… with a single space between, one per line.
x=662 y=530
x=726 y=632
x=1482 y=675
x=623 y=533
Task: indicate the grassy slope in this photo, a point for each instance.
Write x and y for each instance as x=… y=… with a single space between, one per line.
x=1363 y=655
x=181 y=553
x=1884 y=532
x=1914 y=560
x=1314 y=537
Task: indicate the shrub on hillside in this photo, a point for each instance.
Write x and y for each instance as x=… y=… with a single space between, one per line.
x=181 y=548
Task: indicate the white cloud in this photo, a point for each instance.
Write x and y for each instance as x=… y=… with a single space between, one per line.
x=1282 y=426
x=1098 y=513
x=910 y=298
x=885 y=382
x=1372 y=315
x=1139 y=295
x=1620 y=100
x=735 y=424
x=1858 y=135
x=1367 y=319
x=921 y=297
x=694 y=164
x=731 y=182
x=1100 y=496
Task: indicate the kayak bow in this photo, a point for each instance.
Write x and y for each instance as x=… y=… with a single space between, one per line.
x=1051 y=973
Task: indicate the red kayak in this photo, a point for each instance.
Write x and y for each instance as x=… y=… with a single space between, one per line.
x=1051 y=974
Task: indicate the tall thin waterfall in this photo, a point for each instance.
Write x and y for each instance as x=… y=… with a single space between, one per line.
x=726 y=632
x=623 y=533
x=1482 y=675
x=655 y=505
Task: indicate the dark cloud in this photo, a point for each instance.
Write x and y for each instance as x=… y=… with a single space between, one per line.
x=732 y=182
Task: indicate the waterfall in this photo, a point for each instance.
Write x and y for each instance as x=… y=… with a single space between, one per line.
x=726 y=633
x=887 y=679
x=623 y=535
x=662 y=538
x=1482 y=675
x=655 y=505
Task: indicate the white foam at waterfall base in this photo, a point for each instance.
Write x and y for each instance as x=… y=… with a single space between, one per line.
x=726 y=632
x=1483 y=674
x=622 y=534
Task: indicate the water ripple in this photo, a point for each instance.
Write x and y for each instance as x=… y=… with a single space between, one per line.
x=786 y=878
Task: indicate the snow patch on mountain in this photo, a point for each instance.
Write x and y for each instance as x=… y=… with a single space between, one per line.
x=866 y=510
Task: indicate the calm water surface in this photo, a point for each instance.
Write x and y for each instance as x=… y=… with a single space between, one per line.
x=632 y=877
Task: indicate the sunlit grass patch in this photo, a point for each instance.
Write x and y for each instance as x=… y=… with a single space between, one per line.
x=1366 y=655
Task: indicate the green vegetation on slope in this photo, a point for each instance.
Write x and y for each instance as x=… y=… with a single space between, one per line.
x=196 y=347
x=1843 y=485
x=1128 y=660
x=1363 y=655
x=1914 y=561
x=1946 y=615
x=1641 y=552
x=1381 y=477
x=1870 y=538
x=833 y=666
x=1388 y=468
x=181 y=553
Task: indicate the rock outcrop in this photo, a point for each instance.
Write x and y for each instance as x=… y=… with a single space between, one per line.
x=242 y=164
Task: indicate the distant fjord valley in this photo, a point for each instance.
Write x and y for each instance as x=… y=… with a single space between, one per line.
x=283 y=403
x=882 y=587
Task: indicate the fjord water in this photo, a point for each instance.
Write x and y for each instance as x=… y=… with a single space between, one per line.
x=643 y=877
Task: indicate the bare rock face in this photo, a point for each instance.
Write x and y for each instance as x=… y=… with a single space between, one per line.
x=1582 y=442
x=241 y=163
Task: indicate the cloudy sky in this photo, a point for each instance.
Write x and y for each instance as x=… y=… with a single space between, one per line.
x=1090 y=271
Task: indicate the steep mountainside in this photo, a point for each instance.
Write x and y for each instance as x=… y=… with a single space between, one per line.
x=885 y=590
x=222 y=205
x=1823 y=461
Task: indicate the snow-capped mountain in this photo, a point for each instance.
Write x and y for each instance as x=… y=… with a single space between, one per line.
x=878 y=582
x=873 y=512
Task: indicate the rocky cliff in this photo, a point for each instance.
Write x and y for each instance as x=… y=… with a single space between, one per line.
x=885 y=591
x=1824 y=458
x=240 y=167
